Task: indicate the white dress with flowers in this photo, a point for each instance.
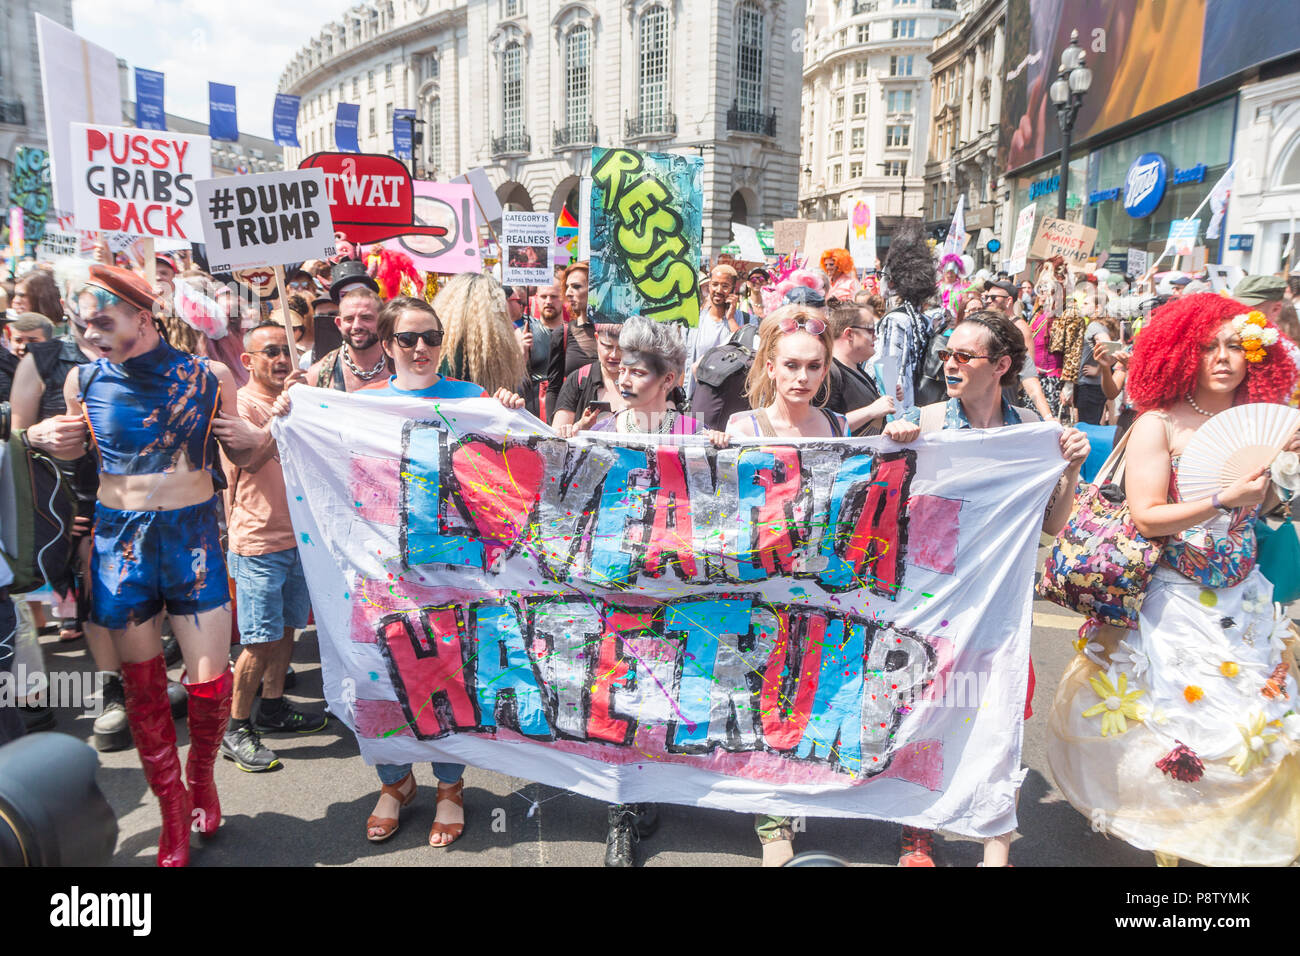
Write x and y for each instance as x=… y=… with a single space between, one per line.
x=1180 y=737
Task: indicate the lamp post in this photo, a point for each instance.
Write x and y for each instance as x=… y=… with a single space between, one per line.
x=415 y=142
x=1067 y=90
x=885 y=166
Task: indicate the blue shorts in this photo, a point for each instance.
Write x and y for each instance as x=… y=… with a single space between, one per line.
x=144 y=561
x=270 y=594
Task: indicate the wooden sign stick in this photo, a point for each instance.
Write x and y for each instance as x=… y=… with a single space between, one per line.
x=284 y=316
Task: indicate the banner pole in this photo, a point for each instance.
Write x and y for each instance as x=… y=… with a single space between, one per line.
x=1152 y=271
x=150 y=263
x=284 y=316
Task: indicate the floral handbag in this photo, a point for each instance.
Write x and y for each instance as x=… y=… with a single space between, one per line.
x=1100 y=565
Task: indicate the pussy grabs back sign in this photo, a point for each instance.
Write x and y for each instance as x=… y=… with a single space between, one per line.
x=834 y=628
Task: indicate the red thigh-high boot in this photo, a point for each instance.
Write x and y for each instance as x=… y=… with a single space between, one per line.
x=209 y=714
x=149 y=713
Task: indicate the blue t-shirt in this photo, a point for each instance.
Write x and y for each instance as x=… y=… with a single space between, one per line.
x=443 y=388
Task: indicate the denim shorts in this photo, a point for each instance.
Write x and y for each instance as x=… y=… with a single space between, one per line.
x=143 y=561
x=270 y=595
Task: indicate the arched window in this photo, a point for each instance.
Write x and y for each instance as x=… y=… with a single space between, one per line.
x=434 y=123
x=749 y=58
x=652 y=92
x=739 y=209
x=512 y=89
x=577 y=77
x=1291 y=171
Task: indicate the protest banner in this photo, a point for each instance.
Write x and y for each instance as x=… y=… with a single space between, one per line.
x=223 y=121
x=646 y=232
x=822 y=236
x=566 y=245
x=149 y=110
x=56 y=244
x=1138 y=262
x=370 y=195
x=79 y=84
x=528 y=245
x=1182 y=236
x=138 y=183
x=265 y=220
x=1072 y=241
x=284 y=119
x=30 y=190
x=1023 y=237
x=450 y=206
x=346 y=118
x=834 y=628
x=489 y=207
x=403 y=125
x=17 y=241
x=955 y=242
x=788 y=235
x=1223 y=278
x=862 y=231
x=765 y=239
x=747 y=244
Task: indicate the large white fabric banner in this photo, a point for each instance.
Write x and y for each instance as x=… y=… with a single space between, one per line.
x=836 y=628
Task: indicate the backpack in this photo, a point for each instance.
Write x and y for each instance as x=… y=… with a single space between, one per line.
x=37 y=507
x=720 y=379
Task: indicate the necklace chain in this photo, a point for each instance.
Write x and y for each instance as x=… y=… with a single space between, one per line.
x=364 y=376
x=1191 y=401
x=665 y=423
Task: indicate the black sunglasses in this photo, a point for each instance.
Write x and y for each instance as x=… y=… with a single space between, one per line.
x=275 y=351
x=407 y=340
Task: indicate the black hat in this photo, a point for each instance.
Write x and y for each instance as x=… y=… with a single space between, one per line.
x=349 y=273
x=1006 y=287
x=803 y=295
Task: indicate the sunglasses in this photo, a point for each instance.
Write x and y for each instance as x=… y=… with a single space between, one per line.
x=961 y=358
x=811 y=326
x=274 y=352
x=869 y=329
x=430 y=337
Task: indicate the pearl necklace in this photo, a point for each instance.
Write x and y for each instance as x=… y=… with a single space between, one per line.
x=364 y=376
x=665 y=423
x=1191 y=401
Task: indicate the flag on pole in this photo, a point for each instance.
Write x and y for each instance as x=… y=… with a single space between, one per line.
x=1219 y=202
x=957 y=234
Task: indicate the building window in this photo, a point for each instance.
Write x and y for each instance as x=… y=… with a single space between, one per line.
x=841 y=38
x=903 y=29
x=512 y=91
x=356 y=87
x=858 y=138
x=653 y=47
x=855 y=170
x=837 y=142
x=861 y=69
x=370 y=79
x=371 y=114
x=897 y=135
x=431 y=66
x=904 y=3
x=894 y=167
x=900 y=65
x=839 y=75
x=577 y=77
x=434 y=122
x=513 y=8
x=749 y=59
x=864 y=32
x=859 y=104
x=899 y=101
x=388 y=117
x=388 y=74
x=839 y=107
x=836 y=176
x=341 y=93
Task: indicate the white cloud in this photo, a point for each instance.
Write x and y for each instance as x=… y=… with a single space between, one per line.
x=245 y=43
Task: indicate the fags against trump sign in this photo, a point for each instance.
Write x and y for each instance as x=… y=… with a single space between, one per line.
x=138 y=182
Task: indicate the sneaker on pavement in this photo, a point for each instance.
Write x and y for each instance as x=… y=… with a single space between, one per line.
x=918 y=847
x=245 y=748
x=37 y=717
x=287 y=719
x=110 y=730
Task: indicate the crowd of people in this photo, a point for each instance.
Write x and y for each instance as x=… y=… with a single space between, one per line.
x=184 y=544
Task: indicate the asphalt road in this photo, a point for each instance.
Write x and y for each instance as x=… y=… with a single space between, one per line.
x=312 y=811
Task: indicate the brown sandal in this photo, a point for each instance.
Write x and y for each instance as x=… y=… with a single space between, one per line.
x=389 y=824
x=452 y=792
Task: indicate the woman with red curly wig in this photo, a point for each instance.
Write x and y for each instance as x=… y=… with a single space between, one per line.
x=1181 y=736
x=838 y=266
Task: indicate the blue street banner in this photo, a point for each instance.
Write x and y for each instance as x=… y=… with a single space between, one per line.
x=345 y=127
x=402 y=127
x=149 y=99
x=284 y=121
x=222 y=123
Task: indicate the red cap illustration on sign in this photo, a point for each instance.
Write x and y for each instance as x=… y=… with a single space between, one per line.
x=370 y=196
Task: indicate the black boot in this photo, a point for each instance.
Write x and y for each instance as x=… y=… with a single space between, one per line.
x=622 y=836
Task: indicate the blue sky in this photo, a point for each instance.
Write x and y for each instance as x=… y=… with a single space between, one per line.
x=245 y=43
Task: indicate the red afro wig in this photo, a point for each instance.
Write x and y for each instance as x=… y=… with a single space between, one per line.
x=843 y=261
x=1167 y=355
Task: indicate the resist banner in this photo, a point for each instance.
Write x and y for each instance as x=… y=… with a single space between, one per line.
x=138 y=183
x=827 y=627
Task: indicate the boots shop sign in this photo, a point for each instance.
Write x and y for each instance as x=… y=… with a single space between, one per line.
x=1144 y=185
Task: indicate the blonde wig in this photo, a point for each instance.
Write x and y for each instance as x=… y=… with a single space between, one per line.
x=479 y=343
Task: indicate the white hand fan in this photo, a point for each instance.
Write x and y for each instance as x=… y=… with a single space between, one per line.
x=1234 y=444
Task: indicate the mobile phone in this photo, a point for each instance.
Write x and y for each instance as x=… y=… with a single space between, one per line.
x=600 y=407
x=1112 y=348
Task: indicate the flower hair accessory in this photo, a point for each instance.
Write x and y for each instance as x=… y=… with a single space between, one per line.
x=1255 y=334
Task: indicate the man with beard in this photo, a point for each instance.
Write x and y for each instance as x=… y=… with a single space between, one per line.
x=360 y=362
x=719 y=320
x=548 y=328
x=271 y=597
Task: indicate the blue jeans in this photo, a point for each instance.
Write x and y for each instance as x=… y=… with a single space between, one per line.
x=391 y=773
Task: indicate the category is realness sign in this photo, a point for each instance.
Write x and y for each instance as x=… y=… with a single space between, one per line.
x=828 y=627
x=138 y=182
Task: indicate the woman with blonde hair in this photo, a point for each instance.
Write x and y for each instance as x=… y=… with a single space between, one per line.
x=479 y=345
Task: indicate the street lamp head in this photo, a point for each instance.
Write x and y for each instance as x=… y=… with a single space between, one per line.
x=1080 y=78
x=1072 y=55
x=1060 y=90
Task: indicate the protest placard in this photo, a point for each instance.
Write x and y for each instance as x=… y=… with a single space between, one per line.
x=371 y=197
x=836 y=628
x=566 y=245
x=489 y=206
x=56 y=244
x=449 y=206
x=862 y=231
x=748 y=246
x=139 y=183
x=1023 y=237
x=822 y=236
x=528 y=247
x=1072 y=241
x=265 y=220
x=647 y=214
x=1182 y=236
x=788 y=235
x=1138 y=262
x=30 y=189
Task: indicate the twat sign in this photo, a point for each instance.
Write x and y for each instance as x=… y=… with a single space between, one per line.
x=833 y=627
